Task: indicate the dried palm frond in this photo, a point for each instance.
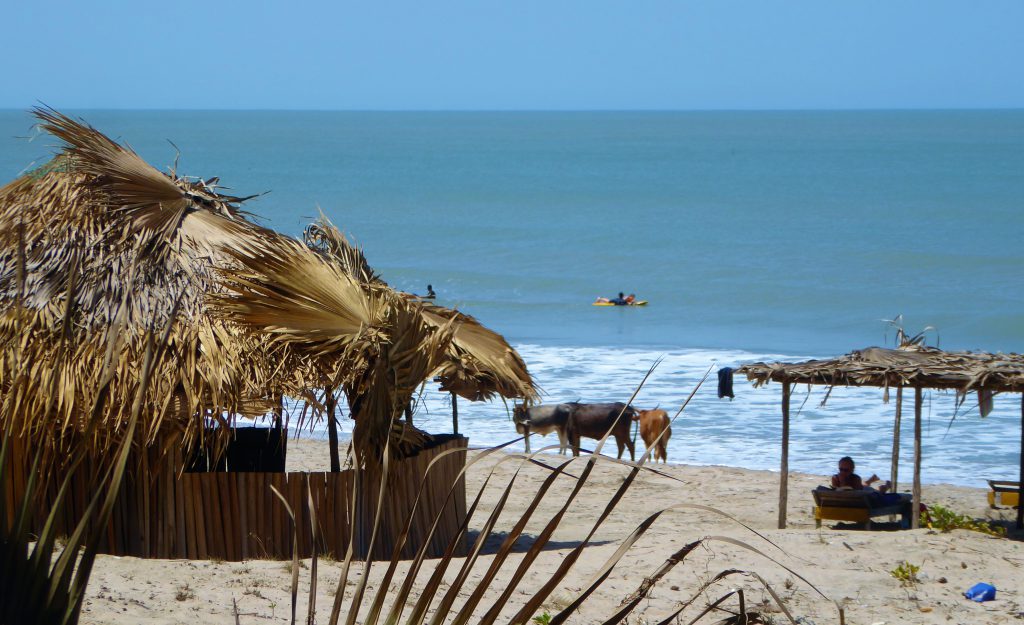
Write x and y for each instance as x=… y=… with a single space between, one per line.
x=139 y=246
x=41 y=586
x=364 y=337
x=296 y=297
x=457 y=590
x=912 y=365
x=150 y=198
x=481 y=363
x=322 y=235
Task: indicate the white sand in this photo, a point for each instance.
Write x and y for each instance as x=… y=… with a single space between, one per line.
x=851 y=567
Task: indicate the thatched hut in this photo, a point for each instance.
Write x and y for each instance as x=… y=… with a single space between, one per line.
x=911 y=366
x=214 y=319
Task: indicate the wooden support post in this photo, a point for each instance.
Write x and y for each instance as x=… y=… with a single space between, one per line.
x=408 y=413
x=279 y=416
x=895 y=470
x=1020 y=477
x=455 y=413
x=278 y=425
x=784 y=469
x=916 y=511
x=332 y=429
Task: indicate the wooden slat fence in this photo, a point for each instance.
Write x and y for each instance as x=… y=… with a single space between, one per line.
x=235 y=516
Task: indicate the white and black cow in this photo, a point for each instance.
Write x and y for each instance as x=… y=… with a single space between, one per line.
x=543 y=420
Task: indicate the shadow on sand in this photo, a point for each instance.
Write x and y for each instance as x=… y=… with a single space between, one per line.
x=1012 y=533
x=524 y=542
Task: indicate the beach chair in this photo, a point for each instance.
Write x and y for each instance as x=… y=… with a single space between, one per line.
x=1003 y=493
x=858 y=506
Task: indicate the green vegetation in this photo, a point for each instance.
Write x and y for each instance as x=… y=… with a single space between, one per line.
x=542 y=619
x=906 y=573
x=944 y=520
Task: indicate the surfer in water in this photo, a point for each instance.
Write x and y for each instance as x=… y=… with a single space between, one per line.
x=621 y=300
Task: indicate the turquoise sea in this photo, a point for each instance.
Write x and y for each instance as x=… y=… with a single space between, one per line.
x=754 y=235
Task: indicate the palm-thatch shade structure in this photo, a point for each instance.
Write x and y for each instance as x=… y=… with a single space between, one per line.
x=245 y=316
x=911 y=366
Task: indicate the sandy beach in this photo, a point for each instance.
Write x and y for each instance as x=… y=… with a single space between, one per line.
x=850 y=567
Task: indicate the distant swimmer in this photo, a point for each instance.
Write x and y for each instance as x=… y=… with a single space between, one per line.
x=428 y=295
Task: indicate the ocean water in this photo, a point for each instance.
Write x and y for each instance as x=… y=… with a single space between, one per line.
x=754 y=235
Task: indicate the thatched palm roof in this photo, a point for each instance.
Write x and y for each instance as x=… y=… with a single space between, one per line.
x=98 y=238
x=913 y=365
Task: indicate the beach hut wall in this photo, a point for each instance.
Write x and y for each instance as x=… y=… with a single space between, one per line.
x=235 y=516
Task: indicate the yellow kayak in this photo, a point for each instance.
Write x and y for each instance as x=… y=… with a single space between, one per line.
x=640 y=302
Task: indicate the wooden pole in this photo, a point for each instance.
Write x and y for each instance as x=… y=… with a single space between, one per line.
x=1020 y=477
x=332 y=429
x=455 y=413
x=279 y=416
x=916 y=511
x=279 y=425
x=408 y=413
x=895 y=470
x=784 y=469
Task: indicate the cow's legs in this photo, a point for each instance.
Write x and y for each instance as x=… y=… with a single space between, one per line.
x=526 y=440
x=562 y=441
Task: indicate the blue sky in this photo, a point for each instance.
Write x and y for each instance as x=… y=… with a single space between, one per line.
x=517 y=54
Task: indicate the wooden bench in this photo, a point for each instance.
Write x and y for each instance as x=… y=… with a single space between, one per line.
x=1004 y=493
x=857 y=506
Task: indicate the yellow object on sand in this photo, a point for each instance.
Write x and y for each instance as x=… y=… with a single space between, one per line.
x=856 y=506
x=1003 y=493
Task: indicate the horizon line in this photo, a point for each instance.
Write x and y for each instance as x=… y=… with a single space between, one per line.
x=522 y=110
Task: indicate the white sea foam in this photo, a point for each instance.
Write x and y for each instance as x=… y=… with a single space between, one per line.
x=746 y=431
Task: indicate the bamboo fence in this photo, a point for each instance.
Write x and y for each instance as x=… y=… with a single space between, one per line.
x=236 y=516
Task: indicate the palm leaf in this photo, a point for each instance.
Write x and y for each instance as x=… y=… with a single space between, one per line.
x=150 y=198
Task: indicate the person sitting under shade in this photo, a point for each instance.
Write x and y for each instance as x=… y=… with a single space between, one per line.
x=846 y=478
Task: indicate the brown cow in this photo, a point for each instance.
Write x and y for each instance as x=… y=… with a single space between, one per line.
x=652 y=424
x=595 y=420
